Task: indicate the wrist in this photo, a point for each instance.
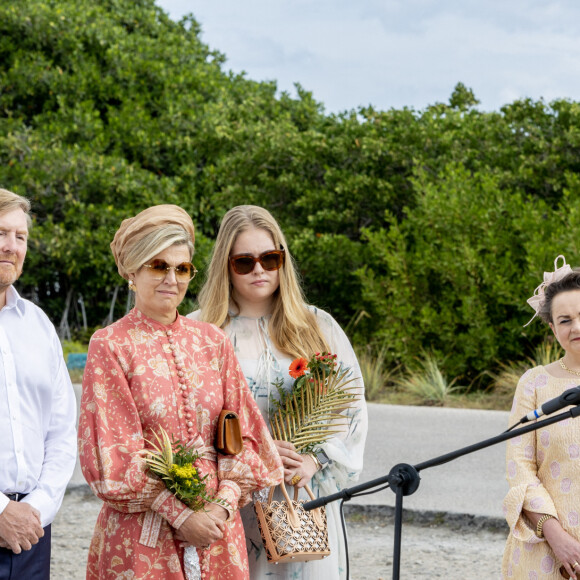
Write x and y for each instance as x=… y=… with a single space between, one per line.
x=552 y=530
x=317 y=463
x=541 y=522
x=320 y=459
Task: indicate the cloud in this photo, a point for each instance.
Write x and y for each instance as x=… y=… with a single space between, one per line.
x=398 y=53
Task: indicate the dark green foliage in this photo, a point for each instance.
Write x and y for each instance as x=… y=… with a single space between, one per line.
x=426 y=230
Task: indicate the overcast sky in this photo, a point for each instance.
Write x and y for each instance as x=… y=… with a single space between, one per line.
x=396 y=53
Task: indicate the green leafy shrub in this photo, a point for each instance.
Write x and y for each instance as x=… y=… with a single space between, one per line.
x=436 y=223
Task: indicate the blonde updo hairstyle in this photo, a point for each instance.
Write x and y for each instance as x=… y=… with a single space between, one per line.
x=293 y=326
x=151 y=244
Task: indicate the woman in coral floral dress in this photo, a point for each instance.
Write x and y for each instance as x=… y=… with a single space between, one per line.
x=155 y=368
x=542 y=506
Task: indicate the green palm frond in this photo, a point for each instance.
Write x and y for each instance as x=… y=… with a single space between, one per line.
x=313 y=413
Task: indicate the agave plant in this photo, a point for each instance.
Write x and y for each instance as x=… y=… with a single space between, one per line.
x=375 y=373
x=313 y=412
x=427 y=382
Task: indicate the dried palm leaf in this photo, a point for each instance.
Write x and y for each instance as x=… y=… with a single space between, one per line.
x=314 y=412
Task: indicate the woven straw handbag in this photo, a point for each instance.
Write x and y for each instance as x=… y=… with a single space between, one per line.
x=289 y=532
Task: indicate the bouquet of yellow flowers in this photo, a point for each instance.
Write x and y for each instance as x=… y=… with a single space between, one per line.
x=175 y=465
x=312 y=411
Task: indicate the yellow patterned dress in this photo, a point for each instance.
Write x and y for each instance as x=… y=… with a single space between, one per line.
x=543 y=471
x=142 y=375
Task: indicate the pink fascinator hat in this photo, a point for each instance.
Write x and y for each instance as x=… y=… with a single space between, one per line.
x=535 y=301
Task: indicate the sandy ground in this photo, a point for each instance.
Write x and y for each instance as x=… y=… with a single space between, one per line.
x=441 y=547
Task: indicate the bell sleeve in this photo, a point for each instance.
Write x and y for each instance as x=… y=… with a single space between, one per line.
x=111 y=440
x=258 y=465
x=526 y=490
x=346 y=449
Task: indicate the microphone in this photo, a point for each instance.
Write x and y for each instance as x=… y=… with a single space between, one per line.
x=569 y=397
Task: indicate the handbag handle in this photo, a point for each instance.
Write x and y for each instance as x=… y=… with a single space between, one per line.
x=293 y=518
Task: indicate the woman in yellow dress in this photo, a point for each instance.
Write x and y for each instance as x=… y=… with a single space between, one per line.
x=542 y=506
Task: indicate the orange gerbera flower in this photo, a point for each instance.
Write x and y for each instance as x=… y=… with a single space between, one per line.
x=298 y=367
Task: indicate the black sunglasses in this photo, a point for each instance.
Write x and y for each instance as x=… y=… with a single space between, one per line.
x=245 y=263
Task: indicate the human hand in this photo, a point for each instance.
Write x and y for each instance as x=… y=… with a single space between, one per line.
x=565 y=547
x=20 y=526
x=201 y=529
x=217 y=511
x=291 y=460
x=304 y=473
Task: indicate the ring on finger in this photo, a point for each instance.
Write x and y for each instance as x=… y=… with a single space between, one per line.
x=295 y=479
x=574 y=565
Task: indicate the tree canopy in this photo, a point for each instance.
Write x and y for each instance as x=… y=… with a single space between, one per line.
x=418 y=230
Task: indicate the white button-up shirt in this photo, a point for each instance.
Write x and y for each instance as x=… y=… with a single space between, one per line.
x=37 y=409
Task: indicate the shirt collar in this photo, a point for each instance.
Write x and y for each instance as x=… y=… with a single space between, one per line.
x=13 y=300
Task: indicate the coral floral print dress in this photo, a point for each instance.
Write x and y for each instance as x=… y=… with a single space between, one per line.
x=543 y=471
x=142 y=375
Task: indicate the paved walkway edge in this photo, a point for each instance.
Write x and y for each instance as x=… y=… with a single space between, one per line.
x=467 y=522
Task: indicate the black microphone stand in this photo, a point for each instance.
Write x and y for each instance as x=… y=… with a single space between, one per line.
x=404 y=479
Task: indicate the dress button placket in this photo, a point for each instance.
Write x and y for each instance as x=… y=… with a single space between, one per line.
x=178 y=361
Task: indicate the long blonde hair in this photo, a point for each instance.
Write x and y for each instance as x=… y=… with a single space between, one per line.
x=293 y=327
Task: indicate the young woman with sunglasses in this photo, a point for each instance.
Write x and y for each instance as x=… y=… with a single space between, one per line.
x=252 y=292
x=154 y=368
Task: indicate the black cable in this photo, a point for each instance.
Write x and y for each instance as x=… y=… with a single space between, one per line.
x=369 y=492
x=343 y=523
x=513 y=426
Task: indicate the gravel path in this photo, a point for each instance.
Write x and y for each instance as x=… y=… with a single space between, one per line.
x=448 y=549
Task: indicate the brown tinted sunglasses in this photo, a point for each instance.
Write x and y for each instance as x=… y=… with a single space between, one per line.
x=245 y=263
x=158 y=269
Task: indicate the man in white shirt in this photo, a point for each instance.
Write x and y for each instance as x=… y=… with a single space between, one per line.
x=37 y=412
